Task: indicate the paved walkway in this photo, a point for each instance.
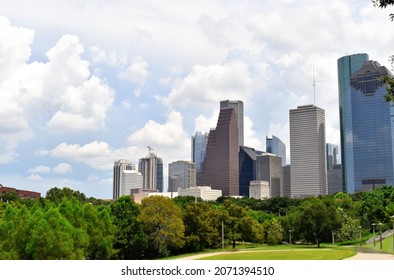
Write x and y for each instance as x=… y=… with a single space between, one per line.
x=371 y=256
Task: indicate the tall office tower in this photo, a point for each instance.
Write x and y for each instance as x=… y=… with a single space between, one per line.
x=239 y=112
x=247 y=169
x=269 y=169
x=367 y=131
x=199 y=145
x=347 y=65
x=334 y=170
x=286 y=181
x=308 y=151
x=151 y=167
x=181 y=175
x=221 y=166
x=275 y=146
x=118 y=183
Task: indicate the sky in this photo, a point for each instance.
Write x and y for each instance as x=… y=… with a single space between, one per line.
x=86 y=83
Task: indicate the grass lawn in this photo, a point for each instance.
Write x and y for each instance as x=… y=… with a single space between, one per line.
x=387 y=245
x=286 y=253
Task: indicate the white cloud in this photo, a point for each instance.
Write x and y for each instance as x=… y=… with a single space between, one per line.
x=34 y=177
x=207 y=85
x=40 y=169
x=62 y=168
x=250 y=136
x=204 y=124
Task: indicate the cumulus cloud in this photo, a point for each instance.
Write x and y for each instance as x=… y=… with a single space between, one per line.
x=60 y=92
x=40 y=169
x=62 y=168
x=207 y=85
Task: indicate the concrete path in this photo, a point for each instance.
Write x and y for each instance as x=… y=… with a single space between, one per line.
x=371 y=256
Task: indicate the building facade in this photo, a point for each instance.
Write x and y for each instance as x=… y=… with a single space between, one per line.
x=199 y=146
x=204 y=192
x=269 y=169
x=347 y=65
x=308 y=151
x=247 y=169
x=259 y=190
x=239 y=114
x=368 y=130
x=118 y=182
x=181 y=175
x=286 y=181
x=275 y=146
x=221 y=166
x=151 y=168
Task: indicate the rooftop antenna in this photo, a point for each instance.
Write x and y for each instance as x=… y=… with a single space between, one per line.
x=314 y=86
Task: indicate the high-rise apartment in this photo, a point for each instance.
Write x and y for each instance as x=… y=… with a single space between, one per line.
x=221 y=166
x=367 y=127
x=119 y=183
x=239 y=113
x=181 y=175
x=308 y=151
x=151 y=168
x=199 y=145
x=275 y=146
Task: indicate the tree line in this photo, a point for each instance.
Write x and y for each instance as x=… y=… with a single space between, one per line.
x=68 y=225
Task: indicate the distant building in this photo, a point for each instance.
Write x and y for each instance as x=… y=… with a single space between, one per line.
x=308 y=151
x=181 y=175
x=118 y=183
x=203 y=192
x=151 y=168
x=275 y=146
x=334 y=179
x=247 y=169
x=139 y=194
x=286 y=181
x=239 y=114
x=269 y=169
x=259 y=190
x=23 y=194
x=221 y=166
x=331 y=155
x=199 y=146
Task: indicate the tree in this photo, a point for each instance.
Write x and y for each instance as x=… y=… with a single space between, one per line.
x=315 y=221
x=273 y=231
x=130 y=241
x=201 y=226
x=383 y=4
x=162 y=222
x=238 y=224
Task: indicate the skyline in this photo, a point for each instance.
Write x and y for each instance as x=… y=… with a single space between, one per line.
x=77 y=95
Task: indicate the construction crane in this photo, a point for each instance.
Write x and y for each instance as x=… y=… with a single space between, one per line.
x=150 y=149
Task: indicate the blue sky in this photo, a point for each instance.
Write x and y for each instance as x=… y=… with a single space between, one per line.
x=85 y=83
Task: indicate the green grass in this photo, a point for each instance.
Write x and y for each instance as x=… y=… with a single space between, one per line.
x=290 y=254
x=387 y=245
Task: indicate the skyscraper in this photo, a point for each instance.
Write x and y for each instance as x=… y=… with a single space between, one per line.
x=239 y=113
x=221 y=166
x=308 y=151
x=151 y=168
x=275 y=146
x=199 y=145
x=367 y=129
x=119 y=184
x=269 y=169
x=181 y=175
x=331 y=156
x=347 y=65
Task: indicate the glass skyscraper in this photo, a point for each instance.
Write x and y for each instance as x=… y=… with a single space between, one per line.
x=275 y=146
x=367 y=128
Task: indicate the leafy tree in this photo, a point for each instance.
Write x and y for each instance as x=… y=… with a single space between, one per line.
x=130 y=241
x=238 y=224
x=56 y=195
x=315 y=221
x=202 y=227
x=272 y=231
x=383 y=4
x=162 y=223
